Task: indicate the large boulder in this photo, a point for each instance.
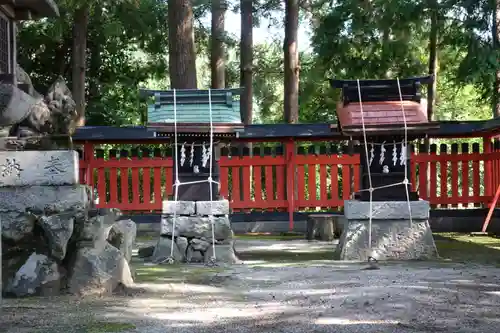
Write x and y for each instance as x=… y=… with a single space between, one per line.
x=98 y=271
x=17 y=225
x=38 y=276
x=163 y=250
x=122 y=236
x=224 y=253
x=58 y=230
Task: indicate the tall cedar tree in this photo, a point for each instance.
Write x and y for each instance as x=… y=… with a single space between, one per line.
x=80 y=26
x=181 y=47
x=246 y=59
x=217 y=64
x=290 y=49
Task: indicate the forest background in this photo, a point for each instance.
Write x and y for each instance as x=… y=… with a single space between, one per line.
x=283 y=52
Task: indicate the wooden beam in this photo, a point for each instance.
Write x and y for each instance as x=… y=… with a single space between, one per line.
x=23 y=14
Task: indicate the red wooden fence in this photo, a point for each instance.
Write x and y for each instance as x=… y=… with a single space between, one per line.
x=289 y=179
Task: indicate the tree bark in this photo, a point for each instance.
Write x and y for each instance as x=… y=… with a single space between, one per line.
x=181 y=47
x=246 y=61
x=217 y=64
x=496 y=47
x=433 y=60
x=80 y=25
x=291 y=55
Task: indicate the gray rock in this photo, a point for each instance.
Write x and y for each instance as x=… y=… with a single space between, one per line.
x=182 y=244
x=58 y=230
x=194 y=256
x=391 y=240
x=197 y=226
x=178 y=207
x=163 y=250
x=38 y=276
x=98 y=271
x=393 y=237
x=146 y=252
x=38 y=199
x=224 y=253
x=199 y=244
x=16 y=225
x=219 y=207
x=122 y=236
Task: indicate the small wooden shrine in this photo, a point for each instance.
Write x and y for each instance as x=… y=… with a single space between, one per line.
x=190 y=109
x=383 y=107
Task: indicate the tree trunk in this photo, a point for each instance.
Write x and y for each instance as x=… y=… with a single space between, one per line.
x=433 y=60
x=80 y=25
x=291 y=55
x=496 y=41
x=181 y=47
x=217 y=65
x=246 y=60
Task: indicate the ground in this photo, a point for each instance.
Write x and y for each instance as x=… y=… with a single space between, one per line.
x=289 y=285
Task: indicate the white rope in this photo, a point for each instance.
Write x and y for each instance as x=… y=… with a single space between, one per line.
x=210 y=180
x=404 y=150
x=370 y=215
x=405 y=181
x=177 y=182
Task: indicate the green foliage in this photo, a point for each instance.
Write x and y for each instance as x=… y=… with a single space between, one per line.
x=127 y=49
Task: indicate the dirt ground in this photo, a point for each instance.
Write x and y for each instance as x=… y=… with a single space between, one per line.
x=288 y=286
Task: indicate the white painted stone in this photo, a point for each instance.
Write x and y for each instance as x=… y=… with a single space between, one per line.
x=178 y=207
x=219 y=207
x=54 y=199
x=30 y=168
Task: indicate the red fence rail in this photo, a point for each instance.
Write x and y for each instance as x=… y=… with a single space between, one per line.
x=290 y=179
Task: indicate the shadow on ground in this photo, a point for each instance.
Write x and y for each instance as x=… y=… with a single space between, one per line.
x=288 y=286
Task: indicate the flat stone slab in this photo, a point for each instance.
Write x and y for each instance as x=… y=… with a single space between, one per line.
x=383 y=210
x=178 y=207
x=44 y=198
x=196 y=226
x=391 y=240
x=219 y=207
x=29 y=168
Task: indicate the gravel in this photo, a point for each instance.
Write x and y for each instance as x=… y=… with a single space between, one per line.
x=312 y=296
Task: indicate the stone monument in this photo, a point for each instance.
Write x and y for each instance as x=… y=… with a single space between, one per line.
x=198 y=204
x=53 y=238
x=399 y=219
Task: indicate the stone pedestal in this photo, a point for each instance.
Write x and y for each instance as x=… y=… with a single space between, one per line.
x=192 y=232
x=321 y=227
x=55 y=240
x=394 y=236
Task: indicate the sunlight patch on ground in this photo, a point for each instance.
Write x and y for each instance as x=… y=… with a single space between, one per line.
x=341 y=321
x=213 y=314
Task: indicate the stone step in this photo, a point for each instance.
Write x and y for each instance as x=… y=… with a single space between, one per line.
x=35 y=168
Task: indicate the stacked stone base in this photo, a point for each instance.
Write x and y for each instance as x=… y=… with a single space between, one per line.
x=53 y=238
x=394 y=236
x=192 y=233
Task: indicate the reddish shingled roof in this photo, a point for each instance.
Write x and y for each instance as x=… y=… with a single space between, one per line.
x=382 y=113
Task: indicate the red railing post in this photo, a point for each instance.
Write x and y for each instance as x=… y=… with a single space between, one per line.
x=88 y=157
x=290 y=180
x=488 y=172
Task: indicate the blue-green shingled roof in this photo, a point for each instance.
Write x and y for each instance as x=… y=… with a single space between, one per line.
x=193 y=106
